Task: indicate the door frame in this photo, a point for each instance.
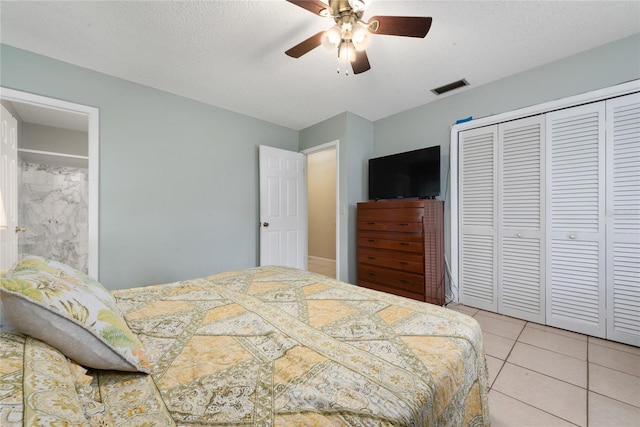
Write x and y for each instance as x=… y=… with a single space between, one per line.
x=93 y=134
x=336 y=145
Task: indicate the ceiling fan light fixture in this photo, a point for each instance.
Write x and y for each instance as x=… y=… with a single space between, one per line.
x=351 y=34
x=331 y=38
x=359 y=5
x=346 y=52
x=360 y=37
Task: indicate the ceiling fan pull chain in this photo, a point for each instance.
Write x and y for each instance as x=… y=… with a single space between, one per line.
x=347 y=62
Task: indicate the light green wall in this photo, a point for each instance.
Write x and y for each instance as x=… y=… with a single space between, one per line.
x=430 y=124
x=359 y=151
x=178 y=178
x=355 y=136
x=334 y=129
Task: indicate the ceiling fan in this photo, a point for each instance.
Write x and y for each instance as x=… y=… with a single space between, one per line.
x=350 y=35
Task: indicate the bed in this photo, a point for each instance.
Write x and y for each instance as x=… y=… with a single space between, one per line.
x=262 y=346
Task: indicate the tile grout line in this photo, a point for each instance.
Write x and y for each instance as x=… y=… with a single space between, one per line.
x=613 y=368
x=554 y=330
x=536 y=408
x=633 y=352
x=600 y=394
x=516 y=341
x=549 y=329
x=553 y=351
x=548 y=375
x=508 y=354
x=614 y=399
x=588 y=388
x=506 y=360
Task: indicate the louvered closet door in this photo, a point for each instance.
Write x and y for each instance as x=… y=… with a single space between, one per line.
x=521 y=290
x=478 y=219
x=575 y=206
x=623 y=219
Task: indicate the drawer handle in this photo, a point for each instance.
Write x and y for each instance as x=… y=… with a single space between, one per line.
x=371 y=223
x=403 y=224
x=371 y=240
x=371 y=257
x=406 y=282
x=404 y=244
x=404 y=263
x=372 y=273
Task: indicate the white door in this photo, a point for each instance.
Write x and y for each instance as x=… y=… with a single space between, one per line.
x=283 y=208
x=521 y=289
x=9 y=187
x=623 y=219
x=478 y=218
x=575 y=219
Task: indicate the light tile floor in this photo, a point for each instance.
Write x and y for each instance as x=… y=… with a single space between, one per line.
x=543 y=376
x=322 y=266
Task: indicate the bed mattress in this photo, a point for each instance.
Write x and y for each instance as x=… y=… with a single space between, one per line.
x=270 y=346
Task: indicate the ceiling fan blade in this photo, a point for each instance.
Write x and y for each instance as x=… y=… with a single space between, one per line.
x=303 y=47
x=406 y=26
x=313 y=6
x=361 y=64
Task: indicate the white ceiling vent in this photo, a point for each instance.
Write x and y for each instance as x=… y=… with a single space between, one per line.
x=449 y=87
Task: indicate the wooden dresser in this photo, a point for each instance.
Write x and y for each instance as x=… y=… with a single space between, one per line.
x=401 y=248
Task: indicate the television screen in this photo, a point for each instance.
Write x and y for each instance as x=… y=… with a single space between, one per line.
x=414 y=174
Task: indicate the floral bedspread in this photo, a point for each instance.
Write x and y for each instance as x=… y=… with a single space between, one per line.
x=277 y=346
x=39 y=386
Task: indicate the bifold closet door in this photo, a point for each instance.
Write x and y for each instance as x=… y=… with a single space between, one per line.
x=521 y=228
x=623 y=219
x=478 y=218
x=575 y=267
x=502 y=218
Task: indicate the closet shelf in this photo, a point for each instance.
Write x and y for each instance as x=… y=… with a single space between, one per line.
x=53 y=158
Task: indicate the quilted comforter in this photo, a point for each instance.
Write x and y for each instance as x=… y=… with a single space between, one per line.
x=263 y=346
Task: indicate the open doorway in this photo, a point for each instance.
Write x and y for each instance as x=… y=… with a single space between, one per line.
x=322 y=179
x=55 y=187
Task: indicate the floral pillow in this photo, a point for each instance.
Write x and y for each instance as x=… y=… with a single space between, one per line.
x=69 y=310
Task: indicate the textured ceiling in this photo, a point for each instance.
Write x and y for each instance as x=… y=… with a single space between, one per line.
x=231 y=53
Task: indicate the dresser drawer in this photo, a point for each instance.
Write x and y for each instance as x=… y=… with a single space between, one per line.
x=390 y=235
x=397 y=226
x=413 y=263
x=401 y=292
x=394 y=245
x=390 y=215
x=392 y=278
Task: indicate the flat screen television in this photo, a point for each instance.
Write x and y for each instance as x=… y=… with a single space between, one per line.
x=413 y=174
